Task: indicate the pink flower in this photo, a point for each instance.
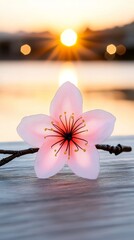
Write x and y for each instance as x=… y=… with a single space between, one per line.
x=67 y=135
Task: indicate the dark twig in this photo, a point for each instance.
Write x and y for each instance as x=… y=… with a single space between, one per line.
x=114 y=149
x=20 y=152
x=17 y=153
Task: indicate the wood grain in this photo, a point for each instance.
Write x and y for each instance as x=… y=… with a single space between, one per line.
x=65 y=206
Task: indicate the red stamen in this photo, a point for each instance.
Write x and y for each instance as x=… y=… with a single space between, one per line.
x=68 y=132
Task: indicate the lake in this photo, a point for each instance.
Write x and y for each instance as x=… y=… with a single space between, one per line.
x=27 y=88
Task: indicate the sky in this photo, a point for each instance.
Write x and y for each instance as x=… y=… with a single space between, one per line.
x=57 y=15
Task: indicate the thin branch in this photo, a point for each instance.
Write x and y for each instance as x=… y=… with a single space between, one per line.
x=114 y=149
x=20 y=152
x=17 y=153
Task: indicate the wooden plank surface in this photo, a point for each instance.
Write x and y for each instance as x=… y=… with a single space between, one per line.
x=65 y=206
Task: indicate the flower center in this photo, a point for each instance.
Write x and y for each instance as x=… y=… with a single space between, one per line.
x=67 y=134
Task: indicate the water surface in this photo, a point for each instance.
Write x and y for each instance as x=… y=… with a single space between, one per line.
x=27 y=88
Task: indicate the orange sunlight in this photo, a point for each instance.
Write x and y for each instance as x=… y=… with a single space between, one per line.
x=69 y=46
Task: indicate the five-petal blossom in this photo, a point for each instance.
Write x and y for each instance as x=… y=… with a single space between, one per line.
x=67 y=135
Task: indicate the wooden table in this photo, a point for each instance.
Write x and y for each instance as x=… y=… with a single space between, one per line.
x=65 y=206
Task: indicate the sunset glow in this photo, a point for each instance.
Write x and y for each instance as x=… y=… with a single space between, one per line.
x=58 y=15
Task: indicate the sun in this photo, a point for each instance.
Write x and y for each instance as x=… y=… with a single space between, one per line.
x=68 y=37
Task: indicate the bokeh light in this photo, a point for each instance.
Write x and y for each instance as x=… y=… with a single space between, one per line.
x=121 y=49
x=25 y=49
x=111 y=49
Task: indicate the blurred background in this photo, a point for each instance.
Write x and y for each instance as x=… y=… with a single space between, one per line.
x=46 y=43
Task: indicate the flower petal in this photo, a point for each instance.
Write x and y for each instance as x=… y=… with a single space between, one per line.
x=85 y=164
x=31 y=129
x=47 y=164
x=100 y=125
x=67 y=99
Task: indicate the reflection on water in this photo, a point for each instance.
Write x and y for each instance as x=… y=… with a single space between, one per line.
x=27 y=88
x=68 y=72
